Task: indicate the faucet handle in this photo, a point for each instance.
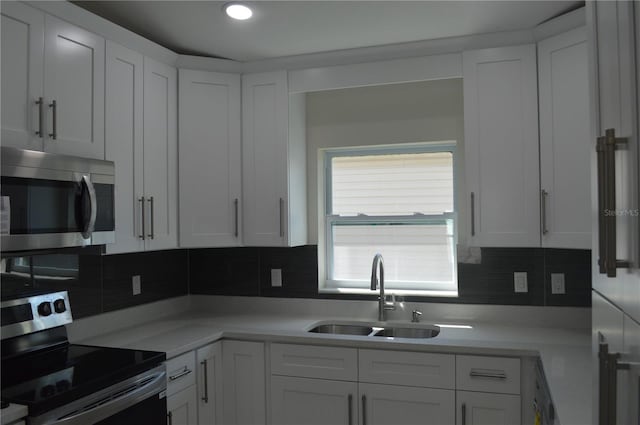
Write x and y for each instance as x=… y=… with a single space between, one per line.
x=415 y=316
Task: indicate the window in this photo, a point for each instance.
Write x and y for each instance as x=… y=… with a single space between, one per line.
x=399 y=202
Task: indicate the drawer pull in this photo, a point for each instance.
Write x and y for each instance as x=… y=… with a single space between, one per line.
x=185 y=372
x=476 y=373
x=350 y=409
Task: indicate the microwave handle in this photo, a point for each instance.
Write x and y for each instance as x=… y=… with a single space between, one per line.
x=89 y=226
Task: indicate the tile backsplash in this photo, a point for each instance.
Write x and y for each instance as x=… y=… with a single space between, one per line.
x=101 y=283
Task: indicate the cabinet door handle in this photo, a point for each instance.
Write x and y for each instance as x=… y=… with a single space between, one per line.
x=205 y=397
x=350 y=408
x=169 y=418
x=235 y=207
x=475 y=373
x=473 y=214
x=281 y=218
x=364 y=410
x=40 y=103
x=606 y=153
x=464 y=414
x=54 y=111
x=179 y=375
x=151 y=235
x=141 y=200
x=543 y=210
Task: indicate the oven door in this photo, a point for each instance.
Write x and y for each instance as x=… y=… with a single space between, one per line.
x=46 y=209
x=138 y=400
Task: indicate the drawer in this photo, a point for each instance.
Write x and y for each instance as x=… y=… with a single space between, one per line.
x=488 y=374
x=313 y=361
x=407 y=368
x=181 y=372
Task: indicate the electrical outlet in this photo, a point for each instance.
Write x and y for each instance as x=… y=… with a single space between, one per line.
x=136 y=284
x=520 y=282
x=276 y=277
x=557 y=283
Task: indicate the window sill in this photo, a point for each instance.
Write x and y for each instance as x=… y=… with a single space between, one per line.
x=401 y=292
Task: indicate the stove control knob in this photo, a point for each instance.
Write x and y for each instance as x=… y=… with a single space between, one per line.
x=44 y=309
x=59 y=306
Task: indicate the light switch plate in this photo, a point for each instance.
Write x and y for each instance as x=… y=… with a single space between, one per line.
x=276 y=277
x=557 y=283
x=136 y=284
x=520 y=282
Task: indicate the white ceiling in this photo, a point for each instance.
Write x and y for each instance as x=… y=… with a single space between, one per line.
x=285 y=28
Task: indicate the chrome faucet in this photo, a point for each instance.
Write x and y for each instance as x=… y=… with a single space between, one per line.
x=377 y=279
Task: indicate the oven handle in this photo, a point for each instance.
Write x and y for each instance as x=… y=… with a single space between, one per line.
x=105 y=409
x=89 y=227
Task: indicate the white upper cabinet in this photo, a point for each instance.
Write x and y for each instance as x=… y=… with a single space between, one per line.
x=210 y=159
x=52 y=84
x=565 y=145
x=273 y=161
x=160 y=155
x=22 y=53
x=74 y=89
x=124 y=143
x=501 y=146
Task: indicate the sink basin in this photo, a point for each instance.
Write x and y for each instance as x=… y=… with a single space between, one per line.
x=343 y=329
x=409 y=332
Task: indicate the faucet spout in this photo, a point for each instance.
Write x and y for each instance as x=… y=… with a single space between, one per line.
x=377 y=281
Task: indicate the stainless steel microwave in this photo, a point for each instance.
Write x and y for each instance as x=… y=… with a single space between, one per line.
x=55 y=201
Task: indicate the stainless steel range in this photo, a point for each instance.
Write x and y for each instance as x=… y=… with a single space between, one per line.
x=71 y=384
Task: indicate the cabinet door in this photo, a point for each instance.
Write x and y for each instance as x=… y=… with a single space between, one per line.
x=22 y=66
x=244 y=382
x=210 y=159
x=74 y=79
x=393 y=404
x=160 y=155
x=565 y=146
x=264 y=158
x=181 y=407
x=123 y=143
x=487 y=409
x=210 y=386
x=501 y=146
x=302 y=401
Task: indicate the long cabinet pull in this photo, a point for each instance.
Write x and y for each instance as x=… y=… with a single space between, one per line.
x=169 y=418
x=364 y=410
x=603 y=379
x=152 y=233
x=54 y=115
x=40 y=103
x=543 y=210
x=205 y=397
x=473 y=214
x=141 y=200
x=464 y=414
x=350 y=408
x=281 y=218
x=179 y=375
x=475 y=373
x=606 y=154
x=235 y=207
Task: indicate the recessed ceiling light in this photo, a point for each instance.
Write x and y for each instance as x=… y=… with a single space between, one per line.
x=237 y=11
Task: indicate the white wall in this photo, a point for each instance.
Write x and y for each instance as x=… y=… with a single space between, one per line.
x=378 y=115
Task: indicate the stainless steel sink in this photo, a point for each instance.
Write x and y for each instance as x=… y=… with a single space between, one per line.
x=429 y=332
x=334 y=328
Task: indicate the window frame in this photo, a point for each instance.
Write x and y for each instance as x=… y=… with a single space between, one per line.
x=328 y=285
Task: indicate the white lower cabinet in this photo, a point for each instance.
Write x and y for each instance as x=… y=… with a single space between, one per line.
x=476 y=408
x=209 y=364
x=244 y=382
x=305 y=401
x=182 y=407
x=395 y=404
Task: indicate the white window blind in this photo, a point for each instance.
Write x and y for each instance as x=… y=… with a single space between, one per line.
x=399 y=204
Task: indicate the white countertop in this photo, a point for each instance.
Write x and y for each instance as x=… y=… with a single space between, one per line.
x=12 y=413
x=565 y=353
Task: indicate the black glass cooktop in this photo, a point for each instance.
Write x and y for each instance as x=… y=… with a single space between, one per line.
x=54 y=377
